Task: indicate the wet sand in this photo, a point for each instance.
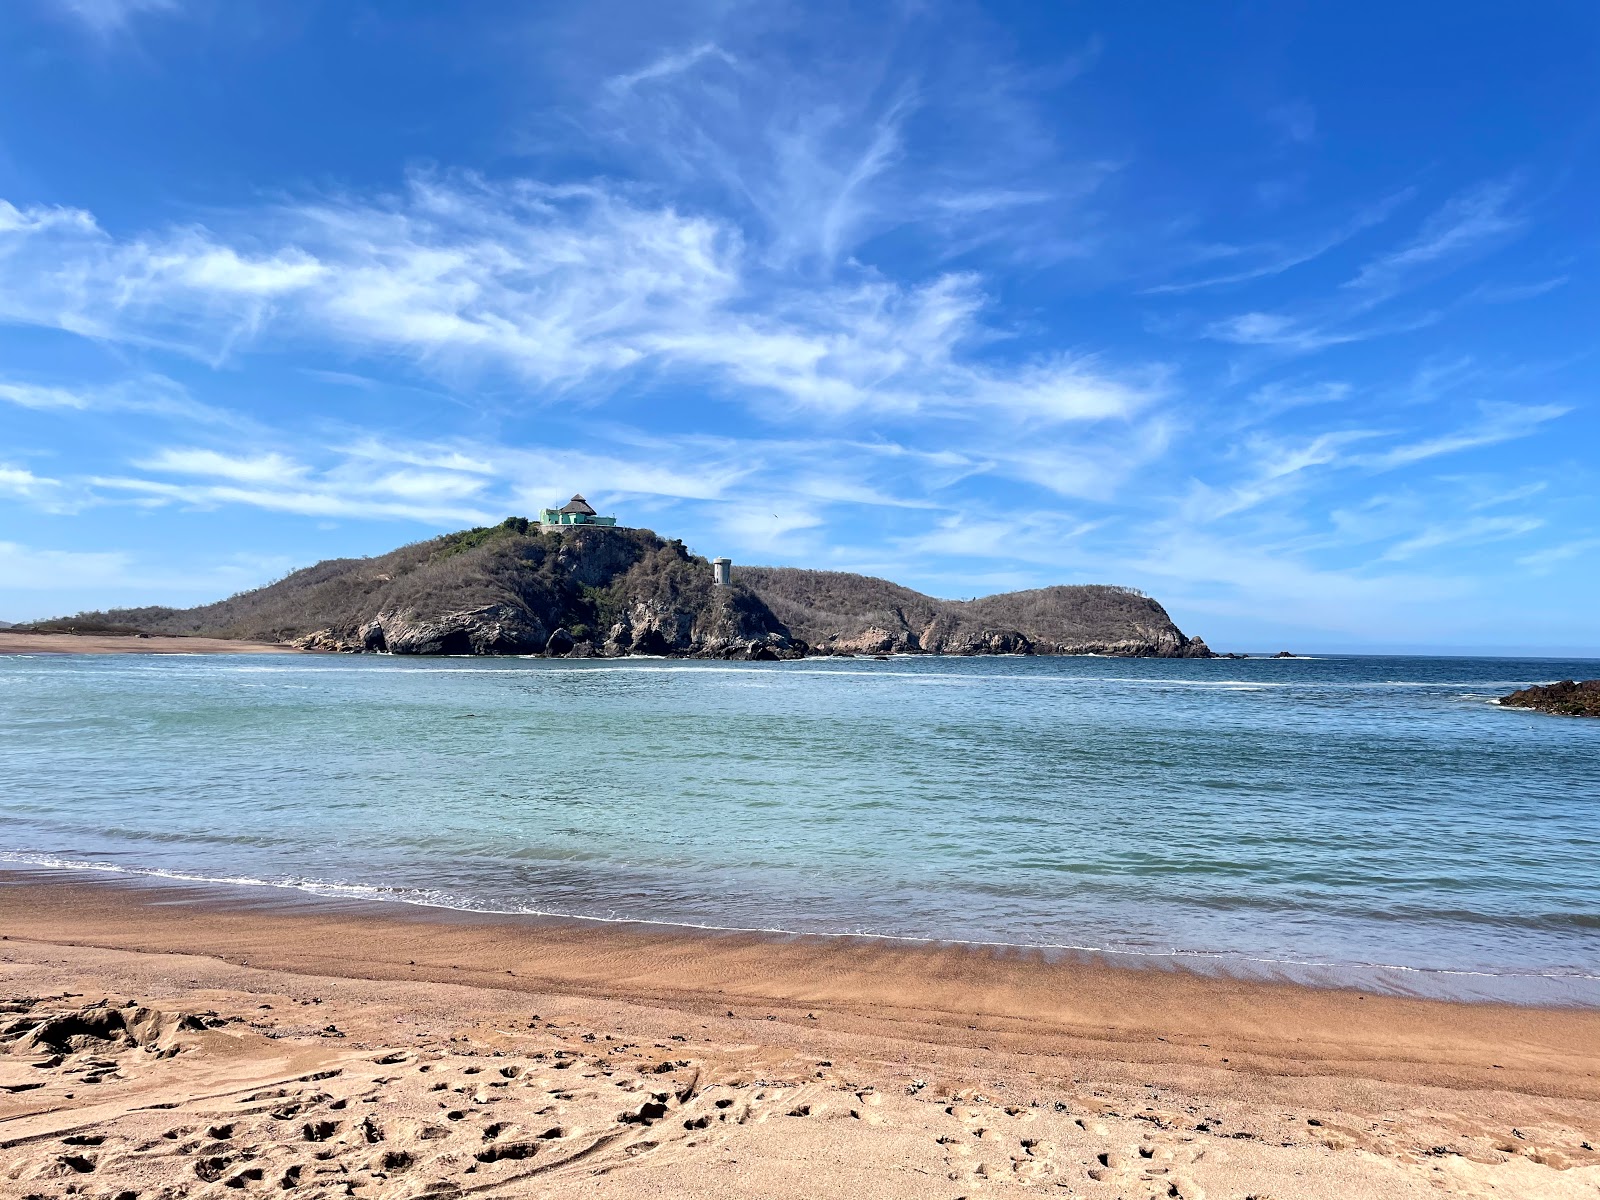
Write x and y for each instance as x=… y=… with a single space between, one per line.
x=175 y=1040
x=12 y=642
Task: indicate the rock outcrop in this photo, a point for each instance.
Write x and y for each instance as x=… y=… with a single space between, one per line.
x=588 y=591
x=839 y=613
x=511 y=589
x=1568 y=698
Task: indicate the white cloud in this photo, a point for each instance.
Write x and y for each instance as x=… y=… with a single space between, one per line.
x=1468 y=223
x=1500 y=423
x=1267 y=259
x=23 y=483
x=261 y=468
x=368 y=485
x=149 y=394
x=314 y=500
x=1542 y=562
x=33 y=395
x=1300 y=336
x=667 y=66
x=1461 y=533
x=560 y=286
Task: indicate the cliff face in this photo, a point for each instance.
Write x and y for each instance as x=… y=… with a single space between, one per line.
x=510 y=589
x=839 y=613
x=588 y=591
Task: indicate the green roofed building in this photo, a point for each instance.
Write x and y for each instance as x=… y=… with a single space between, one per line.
x=576 y=511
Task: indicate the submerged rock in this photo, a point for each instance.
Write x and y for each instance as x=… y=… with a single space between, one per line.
x=1567 y=698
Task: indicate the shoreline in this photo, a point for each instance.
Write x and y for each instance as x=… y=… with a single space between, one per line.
x=14 y=642
x=723 y=1065
x=1531 y=989
x=994 y=982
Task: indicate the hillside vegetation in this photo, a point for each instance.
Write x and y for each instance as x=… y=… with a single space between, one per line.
x=513 y=588
x=833 y=611
x=505 y=589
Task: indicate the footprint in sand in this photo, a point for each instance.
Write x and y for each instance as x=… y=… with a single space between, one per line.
x=1132 y=1172
x=866 y=1109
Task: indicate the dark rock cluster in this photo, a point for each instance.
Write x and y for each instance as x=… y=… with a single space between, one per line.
x=1568 y=698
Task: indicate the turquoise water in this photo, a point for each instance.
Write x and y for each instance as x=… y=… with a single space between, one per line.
x=1345 y=811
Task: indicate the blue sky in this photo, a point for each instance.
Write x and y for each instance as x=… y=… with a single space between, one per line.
x=1284 y=313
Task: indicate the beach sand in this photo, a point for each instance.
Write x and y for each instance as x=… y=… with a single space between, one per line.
x=165 y=1041
x=13 y=642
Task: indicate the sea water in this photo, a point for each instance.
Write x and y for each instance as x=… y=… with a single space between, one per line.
x=1346 y=811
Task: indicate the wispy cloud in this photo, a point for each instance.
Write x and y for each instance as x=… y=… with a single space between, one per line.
x=105 y=17
x=23 y=483
x=1542 y=562
x=560 y=286
x=1469 y=223
x=1474 y=531
x=1295 y=120
x=667 y=66
x=1293 y=334
x=260 y=468
x=147 y=393
x=1498 y=423
x=1267 y=259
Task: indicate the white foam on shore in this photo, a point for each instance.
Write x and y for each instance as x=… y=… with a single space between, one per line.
x=1370 y=976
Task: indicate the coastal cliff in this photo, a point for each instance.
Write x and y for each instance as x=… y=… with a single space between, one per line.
x=838 y=613
x=508 y=589
x=584 y=591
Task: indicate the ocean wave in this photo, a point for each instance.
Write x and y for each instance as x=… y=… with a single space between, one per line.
x=1371 y=974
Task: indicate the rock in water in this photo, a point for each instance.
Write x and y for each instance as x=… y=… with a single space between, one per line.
x=1567 y=698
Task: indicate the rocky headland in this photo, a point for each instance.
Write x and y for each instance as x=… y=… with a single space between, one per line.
x=1568 y=698
x=588 y=591
x=838 y=613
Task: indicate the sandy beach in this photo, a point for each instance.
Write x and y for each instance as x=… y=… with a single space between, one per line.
x=14 y=642
x=185 y=1041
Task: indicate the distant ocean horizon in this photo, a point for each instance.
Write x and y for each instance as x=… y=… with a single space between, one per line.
x=1365 y=819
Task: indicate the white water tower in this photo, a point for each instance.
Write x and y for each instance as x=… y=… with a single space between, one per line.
x=722 y=571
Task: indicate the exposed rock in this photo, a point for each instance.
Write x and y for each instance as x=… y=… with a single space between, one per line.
x=596 y=591
x=1567 y=698
x=492 y=629
x=512 y=589
x=839 y=613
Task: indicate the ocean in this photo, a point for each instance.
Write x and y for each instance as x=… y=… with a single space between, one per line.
x=1372 y=821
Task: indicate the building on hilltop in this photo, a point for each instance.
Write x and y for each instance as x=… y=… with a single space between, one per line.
x=576 y=511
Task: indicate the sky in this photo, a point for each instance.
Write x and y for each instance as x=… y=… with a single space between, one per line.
x=1284 y=313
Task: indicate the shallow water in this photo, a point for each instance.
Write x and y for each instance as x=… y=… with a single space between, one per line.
x=1339 y=810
